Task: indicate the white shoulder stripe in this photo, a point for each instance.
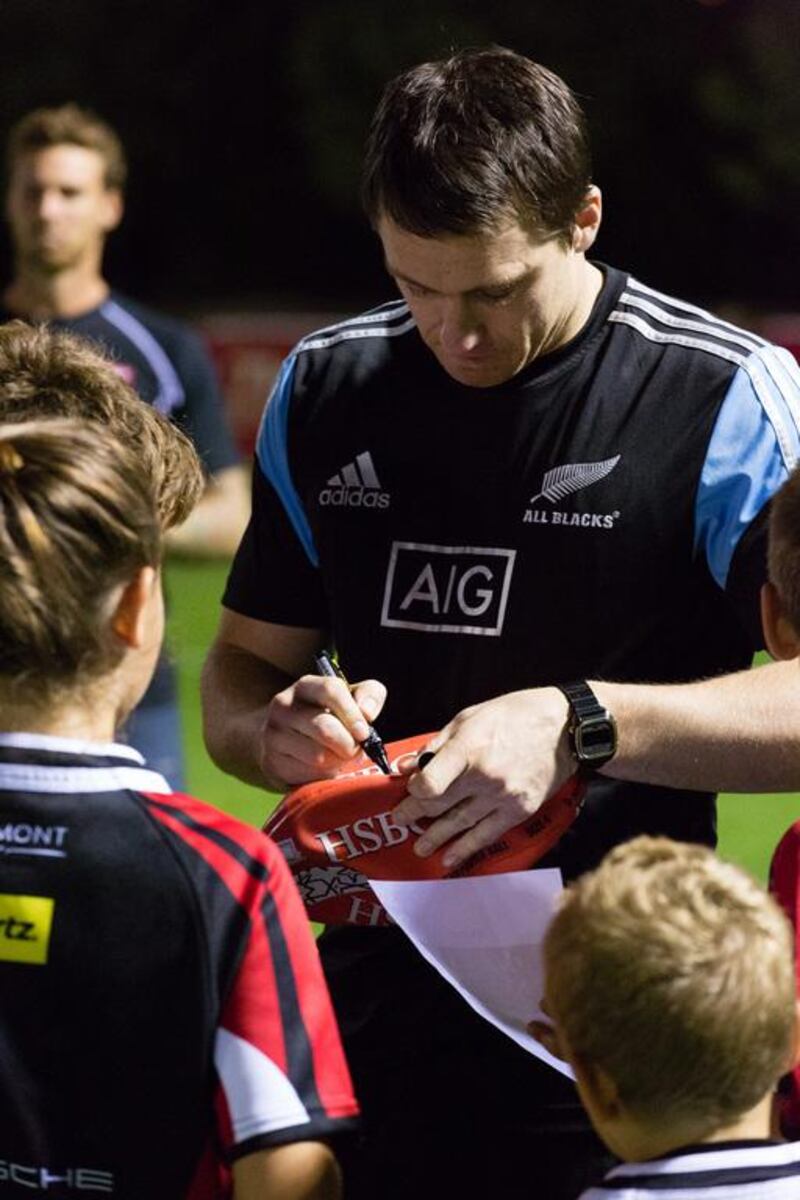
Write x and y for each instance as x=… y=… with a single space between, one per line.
x=678 y=339
x=635 y=286
x=752 y=363
x=786 y=437
x=726 y=333
x=349 y=334
x=386 y=312
x=782 y=368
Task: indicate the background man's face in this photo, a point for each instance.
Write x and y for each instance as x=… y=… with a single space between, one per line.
x=487 y=304
x=59 y=208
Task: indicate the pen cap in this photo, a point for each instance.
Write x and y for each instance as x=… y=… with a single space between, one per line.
x=337 y=834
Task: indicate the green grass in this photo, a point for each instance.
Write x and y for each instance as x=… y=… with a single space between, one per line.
x=194 y=591
x=749 y=826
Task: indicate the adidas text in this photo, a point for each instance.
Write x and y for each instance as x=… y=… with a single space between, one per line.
x=356 y=497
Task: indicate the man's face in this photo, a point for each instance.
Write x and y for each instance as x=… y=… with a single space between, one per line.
x=488 y=304
x=59 y=208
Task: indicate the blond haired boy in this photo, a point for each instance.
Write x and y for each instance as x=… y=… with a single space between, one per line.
x=670 y=983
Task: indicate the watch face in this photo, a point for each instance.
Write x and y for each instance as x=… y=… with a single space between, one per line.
x=595 y=738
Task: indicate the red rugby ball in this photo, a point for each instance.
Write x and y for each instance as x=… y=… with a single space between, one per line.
x=337 y=834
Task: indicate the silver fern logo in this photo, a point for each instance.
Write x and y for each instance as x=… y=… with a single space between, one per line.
x=573 y=477
x=565 y=481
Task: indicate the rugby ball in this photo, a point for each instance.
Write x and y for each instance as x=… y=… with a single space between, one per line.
x=337 y=834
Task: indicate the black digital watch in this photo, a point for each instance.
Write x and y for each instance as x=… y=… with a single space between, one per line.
x=591 y=728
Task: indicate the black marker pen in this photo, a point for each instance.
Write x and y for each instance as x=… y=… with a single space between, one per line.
x=372 y=745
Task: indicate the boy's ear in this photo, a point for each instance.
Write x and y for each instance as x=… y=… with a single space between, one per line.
x=597 y=1088
x=128 y=616
x=547 y=1036
x=782 y=639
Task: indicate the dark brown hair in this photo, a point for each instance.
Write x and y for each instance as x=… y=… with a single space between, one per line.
x=464 y=145
x=45 y=373
x=78 y=516
x=784 y=547
x=69 y=124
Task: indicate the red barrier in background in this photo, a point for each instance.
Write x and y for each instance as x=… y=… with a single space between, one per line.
x=248 y=350
x=784 y=330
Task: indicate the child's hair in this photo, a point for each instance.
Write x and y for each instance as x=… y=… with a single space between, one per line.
x=784 y=547
x=77 y=518
x=45 y=373
x=673 y=972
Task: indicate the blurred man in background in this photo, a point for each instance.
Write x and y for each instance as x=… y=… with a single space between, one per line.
x=66 y=174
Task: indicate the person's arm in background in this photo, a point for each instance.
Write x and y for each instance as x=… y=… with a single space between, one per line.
x=215 y=528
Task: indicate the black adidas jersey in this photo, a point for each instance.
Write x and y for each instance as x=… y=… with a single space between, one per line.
x=600 y=515
x=162 y=1008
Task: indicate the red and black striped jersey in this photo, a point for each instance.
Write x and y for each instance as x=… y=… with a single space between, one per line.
x=163 y=1011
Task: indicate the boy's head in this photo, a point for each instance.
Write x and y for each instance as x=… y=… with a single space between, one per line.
x=780 y=597
x=669 y=977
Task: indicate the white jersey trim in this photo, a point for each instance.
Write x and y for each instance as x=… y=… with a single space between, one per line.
x=684 y=306
x=33 y=777
x=665 y=338
x=50 y=741
x=726 y=333
x=371 y=324
x=750 y=362
x=770 y=1154
x=260 y=1097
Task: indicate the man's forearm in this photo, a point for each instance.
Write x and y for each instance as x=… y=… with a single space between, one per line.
x=737 y=733
x=236 y=690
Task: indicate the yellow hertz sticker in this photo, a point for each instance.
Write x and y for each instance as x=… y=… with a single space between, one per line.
x=25 y=923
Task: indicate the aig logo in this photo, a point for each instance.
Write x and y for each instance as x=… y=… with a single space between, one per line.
x=447 y=589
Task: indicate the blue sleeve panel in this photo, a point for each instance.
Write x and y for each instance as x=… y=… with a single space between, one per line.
x=272 y=453
x=753 y=448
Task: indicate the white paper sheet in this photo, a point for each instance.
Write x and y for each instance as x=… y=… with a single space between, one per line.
x=484 y=936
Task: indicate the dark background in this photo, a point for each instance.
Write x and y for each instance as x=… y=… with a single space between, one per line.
x=244 y=123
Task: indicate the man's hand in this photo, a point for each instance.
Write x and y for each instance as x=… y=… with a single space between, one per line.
x=314 y=726
x=494 y=765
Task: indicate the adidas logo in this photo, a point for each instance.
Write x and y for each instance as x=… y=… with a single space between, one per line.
x=355 y=486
